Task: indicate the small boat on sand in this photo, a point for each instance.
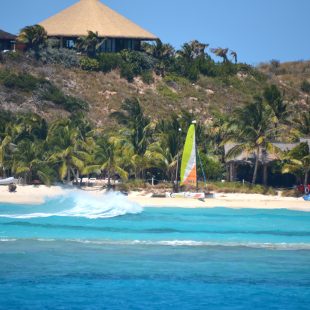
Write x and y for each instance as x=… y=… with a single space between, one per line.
x=8 y=181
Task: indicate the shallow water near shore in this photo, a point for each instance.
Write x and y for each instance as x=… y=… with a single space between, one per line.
x=78 y=252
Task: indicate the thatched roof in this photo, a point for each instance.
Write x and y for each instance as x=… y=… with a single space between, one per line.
x=92 y=15
x=6 y=36
x=264 y=155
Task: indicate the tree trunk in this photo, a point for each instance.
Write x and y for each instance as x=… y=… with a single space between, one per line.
x=256 y=167
x=265 y=174
x=231 y=172
x=109 y=180
x=30 y=176
x=75 y=175
x=69 y=175
x=306 y=178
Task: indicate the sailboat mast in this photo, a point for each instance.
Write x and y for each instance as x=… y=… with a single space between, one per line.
x=196 y=151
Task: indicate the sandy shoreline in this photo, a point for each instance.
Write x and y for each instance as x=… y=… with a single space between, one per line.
x=37 y=195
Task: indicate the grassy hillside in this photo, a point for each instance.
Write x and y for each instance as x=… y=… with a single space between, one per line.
x=293 y=78
x=104 y=92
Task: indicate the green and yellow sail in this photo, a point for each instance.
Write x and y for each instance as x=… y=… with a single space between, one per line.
x=188 y=166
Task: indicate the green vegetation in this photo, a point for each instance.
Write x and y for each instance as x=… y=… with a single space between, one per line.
x=21 y=81
x=126 y=114
x=89 y=64
x=238 y=187
x=305 y=87
x=55 y=95
x=141 y=149
x=297 y=162
x=29 y=83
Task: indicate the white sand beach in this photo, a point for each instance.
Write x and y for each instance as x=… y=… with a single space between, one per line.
x=37 y=195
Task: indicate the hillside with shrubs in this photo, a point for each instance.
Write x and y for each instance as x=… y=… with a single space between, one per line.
x=199 y=79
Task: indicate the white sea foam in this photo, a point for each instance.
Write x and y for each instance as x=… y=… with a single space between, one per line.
x=192 y=243
x=7 y=239
x=175 y=243
x=86 y=205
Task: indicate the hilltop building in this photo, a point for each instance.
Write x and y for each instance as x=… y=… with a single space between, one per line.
x=92 y=15
x=7 y=41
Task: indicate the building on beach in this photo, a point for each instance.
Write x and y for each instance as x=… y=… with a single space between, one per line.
x=240 y=167
x=92 y=15
x=7 y=41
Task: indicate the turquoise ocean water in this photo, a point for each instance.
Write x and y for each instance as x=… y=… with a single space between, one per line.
x=80 y=252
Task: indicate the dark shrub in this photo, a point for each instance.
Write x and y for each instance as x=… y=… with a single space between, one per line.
x=127 y=72
x=55 y=95
x=305 y=87
x=207 y=68
x=73 y=104
x=21 y=81
x=109 y=61
x=63 y=56
x=147 y=77
x=89 y=64
x=192 y=73
x=139 y=61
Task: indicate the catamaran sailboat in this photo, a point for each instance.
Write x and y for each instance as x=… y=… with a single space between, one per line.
x=189 y=167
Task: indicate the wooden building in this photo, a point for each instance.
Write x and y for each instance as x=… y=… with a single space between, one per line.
x=7 y=41
x=238 y=165
x=92 y=15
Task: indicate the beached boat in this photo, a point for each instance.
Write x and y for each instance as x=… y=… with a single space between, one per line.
x=189 y=167
x=8 y=181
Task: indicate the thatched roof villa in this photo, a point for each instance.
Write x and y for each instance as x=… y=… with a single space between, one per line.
x=92 y=15
x=7 y=40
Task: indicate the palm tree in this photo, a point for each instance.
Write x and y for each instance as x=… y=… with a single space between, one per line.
x=5 y=148
x=29 y=160
x=221 y=52
x=164 y=53
x=186 y=52
x=235 y=56
x=192 y=50
x=67 y=147
x=275 y=99
x=108 y=159
x=90 y=44
x=217 y=129
x=167 y=148
x=297 y=162
x=135 y=136
x=159 y=50
x=132 y=116
x=30 y=126
x=302 y=123
x=252 y=128
x=34 y=37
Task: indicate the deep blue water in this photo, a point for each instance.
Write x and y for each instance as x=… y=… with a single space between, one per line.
x=86 y=253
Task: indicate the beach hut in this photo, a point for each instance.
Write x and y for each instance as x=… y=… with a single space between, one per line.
x=92 y=15
x=242 y=162
x=7 y=41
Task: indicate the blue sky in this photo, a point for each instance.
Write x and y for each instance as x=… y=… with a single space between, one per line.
x=259 y=30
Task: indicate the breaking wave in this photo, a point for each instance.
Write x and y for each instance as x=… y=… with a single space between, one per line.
x=175 y=243
x=77 y=204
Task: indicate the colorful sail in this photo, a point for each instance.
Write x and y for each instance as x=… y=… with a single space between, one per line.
x=188 y=167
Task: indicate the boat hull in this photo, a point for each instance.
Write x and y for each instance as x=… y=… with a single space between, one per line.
x=187 y=195
x=8 y=181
